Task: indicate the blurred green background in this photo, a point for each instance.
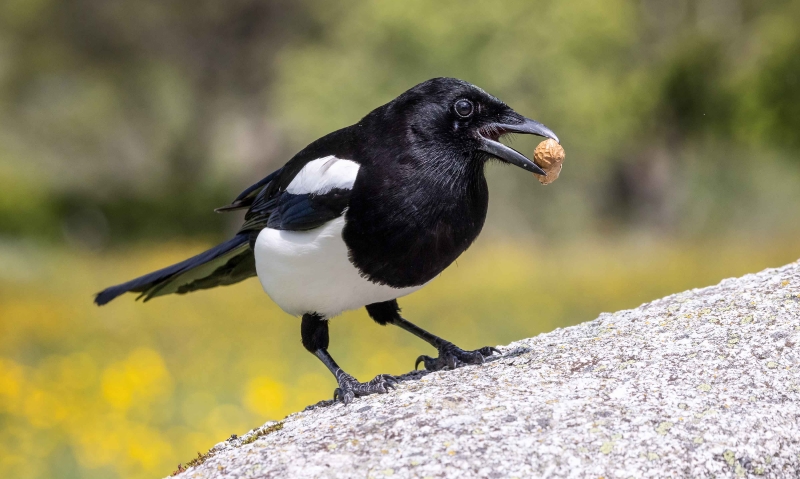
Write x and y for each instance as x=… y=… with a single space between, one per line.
x=123 y=124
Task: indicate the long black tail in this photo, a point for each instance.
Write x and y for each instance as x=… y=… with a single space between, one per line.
x=228 y=263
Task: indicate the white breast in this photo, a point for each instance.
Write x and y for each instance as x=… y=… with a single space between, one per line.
x=310 y=272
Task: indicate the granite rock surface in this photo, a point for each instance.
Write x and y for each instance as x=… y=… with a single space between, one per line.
x=704 y=383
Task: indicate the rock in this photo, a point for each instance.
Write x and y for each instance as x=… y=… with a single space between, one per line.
x=704 y=383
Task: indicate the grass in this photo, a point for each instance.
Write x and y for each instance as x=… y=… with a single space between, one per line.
x=130 y=389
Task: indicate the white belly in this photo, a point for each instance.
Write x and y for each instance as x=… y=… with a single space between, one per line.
x=309 y=272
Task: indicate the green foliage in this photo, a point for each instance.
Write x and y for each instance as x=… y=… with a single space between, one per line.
x=695 y=98
x=121 y=108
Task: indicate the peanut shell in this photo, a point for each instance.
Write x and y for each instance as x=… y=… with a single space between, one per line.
x=549 y=155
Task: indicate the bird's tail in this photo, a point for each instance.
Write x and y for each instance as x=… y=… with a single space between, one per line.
x=224 y=264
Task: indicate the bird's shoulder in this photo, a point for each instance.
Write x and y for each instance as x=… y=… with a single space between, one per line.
x=309 y=190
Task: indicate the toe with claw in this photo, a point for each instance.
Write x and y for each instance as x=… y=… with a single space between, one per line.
x=349 y=387
x=451 y=357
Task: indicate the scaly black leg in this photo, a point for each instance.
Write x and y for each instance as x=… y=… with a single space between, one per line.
x=450 y=355
x=314 y=332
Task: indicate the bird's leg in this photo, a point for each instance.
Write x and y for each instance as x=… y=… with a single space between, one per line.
x=450 y=355
x=314 y=332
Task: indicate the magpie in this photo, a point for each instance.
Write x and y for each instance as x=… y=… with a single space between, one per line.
x=363 y=216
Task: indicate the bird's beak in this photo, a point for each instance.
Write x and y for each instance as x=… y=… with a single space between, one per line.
x=491 y=146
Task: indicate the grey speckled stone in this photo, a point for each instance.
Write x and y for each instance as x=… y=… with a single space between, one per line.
x=703 y=383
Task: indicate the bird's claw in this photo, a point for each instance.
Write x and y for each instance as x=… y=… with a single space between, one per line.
x=451 y=357
x=349 y=388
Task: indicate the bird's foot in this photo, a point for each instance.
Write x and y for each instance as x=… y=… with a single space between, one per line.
x=349 y=387
x=451 y=357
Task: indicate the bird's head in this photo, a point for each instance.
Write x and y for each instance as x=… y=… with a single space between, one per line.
x=450 y=118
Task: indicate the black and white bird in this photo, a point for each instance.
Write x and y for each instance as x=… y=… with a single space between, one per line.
x=363 y=216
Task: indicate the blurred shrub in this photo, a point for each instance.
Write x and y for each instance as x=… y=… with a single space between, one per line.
x=696 y=99
x=145 y=103
x=770 y=109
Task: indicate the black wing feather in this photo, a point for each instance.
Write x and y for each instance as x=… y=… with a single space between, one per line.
x=246 y=197
x=309 y=211
x=157 y=279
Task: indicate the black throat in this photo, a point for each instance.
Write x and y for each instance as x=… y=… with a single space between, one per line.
x=410 y=217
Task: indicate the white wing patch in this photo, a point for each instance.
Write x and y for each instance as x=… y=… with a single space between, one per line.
x=324 y=174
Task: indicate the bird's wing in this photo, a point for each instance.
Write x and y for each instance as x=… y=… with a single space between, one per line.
x=317 y=192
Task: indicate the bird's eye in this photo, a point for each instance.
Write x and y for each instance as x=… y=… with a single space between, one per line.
x=463 y=108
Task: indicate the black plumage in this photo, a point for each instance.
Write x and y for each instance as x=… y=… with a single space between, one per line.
x=232 y=259
x=307 y=211
x=408 y=181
